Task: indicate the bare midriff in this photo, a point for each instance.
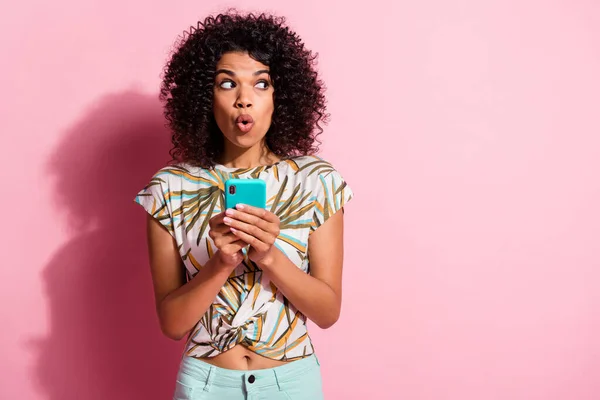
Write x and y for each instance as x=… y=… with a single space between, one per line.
x=240 y=358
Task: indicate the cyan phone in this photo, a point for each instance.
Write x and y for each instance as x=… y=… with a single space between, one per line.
x=252 y=192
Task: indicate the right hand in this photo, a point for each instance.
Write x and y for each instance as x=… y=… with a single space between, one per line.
x=229 y=246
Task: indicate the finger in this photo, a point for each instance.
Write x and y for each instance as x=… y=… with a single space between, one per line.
x=224 y=240
x=234 y=247
x=216 y=219
x=220 y=229
x=253 y=220
x=251 y=240
x=258 y=212
x=252 y=230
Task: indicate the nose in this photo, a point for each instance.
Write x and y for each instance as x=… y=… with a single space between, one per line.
x=243 y=104
x=244 y=98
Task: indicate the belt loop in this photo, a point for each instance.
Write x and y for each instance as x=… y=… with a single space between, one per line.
x=277 y=379
x=209 y=378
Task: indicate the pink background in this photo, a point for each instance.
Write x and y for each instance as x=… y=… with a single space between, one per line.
x=469 y=131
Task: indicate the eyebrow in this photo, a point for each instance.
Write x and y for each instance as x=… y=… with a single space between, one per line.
x=231 y=73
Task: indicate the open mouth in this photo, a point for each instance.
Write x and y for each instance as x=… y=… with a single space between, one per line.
x=244 y=122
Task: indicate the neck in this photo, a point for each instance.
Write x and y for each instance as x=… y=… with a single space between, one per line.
x=236 y=157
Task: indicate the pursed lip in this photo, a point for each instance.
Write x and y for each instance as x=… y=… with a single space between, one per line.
x=244 y=118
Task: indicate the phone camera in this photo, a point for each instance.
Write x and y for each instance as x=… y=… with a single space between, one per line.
x=232 y=189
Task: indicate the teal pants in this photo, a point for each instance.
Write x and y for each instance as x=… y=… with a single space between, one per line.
x=297 y=380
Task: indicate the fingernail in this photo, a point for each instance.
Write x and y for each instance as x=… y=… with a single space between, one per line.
x=227 y=220
x=229 y=211
x=240 y=206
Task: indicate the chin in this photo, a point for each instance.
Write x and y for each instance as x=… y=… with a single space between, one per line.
x=246 y=141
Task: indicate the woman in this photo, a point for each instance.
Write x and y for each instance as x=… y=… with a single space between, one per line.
x=243 y=100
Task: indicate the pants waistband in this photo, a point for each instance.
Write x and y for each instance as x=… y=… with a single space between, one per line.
x=211 y=375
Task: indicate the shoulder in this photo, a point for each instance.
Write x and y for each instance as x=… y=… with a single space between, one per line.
x=180 y=174
x=169 y=172
x=319 y=175
x=329 y=190
x=311 y=166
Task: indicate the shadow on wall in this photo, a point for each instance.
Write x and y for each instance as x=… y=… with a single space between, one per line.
x=104 y=340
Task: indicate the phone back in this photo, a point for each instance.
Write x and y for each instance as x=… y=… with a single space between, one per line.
x=252 y=192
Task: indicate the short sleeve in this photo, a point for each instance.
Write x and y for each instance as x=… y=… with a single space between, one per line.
x=332 y=193
x=154 y=198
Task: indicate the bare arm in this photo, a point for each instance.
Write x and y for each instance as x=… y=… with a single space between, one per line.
x=318 y=295
x=181 y=305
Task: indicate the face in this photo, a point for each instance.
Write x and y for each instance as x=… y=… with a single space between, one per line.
x=243 y=100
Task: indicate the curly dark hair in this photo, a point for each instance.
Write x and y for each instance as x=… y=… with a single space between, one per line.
x=188 y=84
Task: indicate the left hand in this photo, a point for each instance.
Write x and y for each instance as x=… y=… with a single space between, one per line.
x=255 y=226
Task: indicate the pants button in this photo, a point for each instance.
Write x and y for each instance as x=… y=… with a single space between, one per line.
x=251 y=379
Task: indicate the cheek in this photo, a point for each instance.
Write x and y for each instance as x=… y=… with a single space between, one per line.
x=219 y=109
x=268 y=108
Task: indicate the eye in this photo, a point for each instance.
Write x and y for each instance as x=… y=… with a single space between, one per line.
x=262 y=84
x=227 y=84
